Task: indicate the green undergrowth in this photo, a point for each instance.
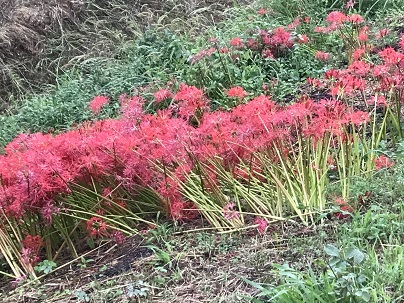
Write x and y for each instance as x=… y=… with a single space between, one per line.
x=363 y=262
x=161 y=55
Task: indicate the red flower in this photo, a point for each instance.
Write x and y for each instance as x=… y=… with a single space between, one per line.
x=31 y=246
x=262 y=11
x=202 y=54
x=322 y=56
x=96 y=227
x=350 y=4
x=382 y=33
x=378 y=100
x=336 y=18
x=118 y=237
x=345 y=207
x=236 y=92
x=237 y=42
x=355 y=18
x=229 y=211
x=190 y=99
x=302 y=39
x=223 y=50
x=97 y=104
x=162 y=95
x=252 y=44
x=294 y=24
x=358 y=53
x=363 y=34
x=266 y=53
x=320 y=29
x=32 y=242
x=360 y=68
x=390 y=56
x=281 y=37
x=262 y=224
x=401 y=43
x=382 y=162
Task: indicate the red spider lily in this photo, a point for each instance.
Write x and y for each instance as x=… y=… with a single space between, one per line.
x=182 y=211
x=236 y=92
x=345 y=207
x=96 y=227
x=37 y=168
x=229 y=212
x=378 y=100
x=190 y=100
x=48 y=210
x=262 y=11
x=162 y=95
x=391 y=56
x=320 y=29
x=358 y=53
x=252 y=44
x=296 y=22
x=262 y=224
x=359 y=68
x=30 y=249
x=355 y=18
x=118 y=237
x=202 y=54
x=382 y=33
x=313 y=82
x=223 y=50
x=336 y=18
x=302 y=39
x=363 y=34
x=350 y=4
x=267 y=53
x=320 y=55
x=97 y=104
x=401 y=43
x=32 y=242
x=237 y=42
x=383 y=162
x=281 y=37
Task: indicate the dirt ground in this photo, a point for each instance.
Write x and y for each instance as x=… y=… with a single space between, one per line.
x=178 y=264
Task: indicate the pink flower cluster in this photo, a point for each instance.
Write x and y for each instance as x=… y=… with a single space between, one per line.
x=37 y=168
x=384 y=78
x=269 y=43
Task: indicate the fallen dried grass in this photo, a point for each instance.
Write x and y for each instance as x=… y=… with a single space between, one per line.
x=41 y=38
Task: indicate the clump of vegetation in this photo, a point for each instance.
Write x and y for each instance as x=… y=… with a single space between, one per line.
x=231 y=131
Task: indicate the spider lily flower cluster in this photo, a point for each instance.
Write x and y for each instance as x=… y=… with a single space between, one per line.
x=258 y=160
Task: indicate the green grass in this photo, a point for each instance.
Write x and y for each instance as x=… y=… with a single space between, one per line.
x=376 y=232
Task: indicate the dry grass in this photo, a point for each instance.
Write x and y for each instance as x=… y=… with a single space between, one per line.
x=201 y=267
x=40 y=39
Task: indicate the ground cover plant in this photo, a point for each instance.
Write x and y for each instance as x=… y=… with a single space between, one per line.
x=218 y=140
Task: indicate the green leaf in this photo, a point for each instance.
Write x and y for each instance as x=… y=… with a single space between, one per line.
x=331 y=250
x=356 y=254
x=363 y=294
